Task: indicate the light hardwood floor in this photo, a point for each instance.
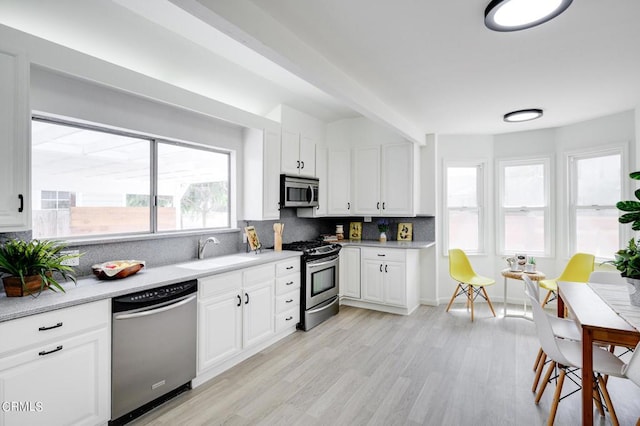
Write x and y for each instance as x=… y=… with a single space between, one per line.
x=366 y=367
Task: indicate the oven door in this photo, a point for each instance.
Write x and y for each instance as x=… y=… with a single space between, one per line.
x=321 y=280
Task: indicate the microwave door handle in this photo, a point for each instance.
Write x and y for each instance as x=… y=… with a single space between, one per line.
x=309 y=194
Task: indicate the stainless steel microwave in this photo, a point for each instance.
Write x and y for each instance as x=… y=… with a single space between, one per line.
x=298 y=191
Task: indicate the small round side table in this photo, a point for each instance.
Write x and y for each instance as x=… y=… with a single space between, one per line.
x=517 y=275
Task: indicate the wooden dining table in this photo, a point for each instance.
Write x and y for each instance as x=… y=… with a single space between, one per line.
x=600 y=323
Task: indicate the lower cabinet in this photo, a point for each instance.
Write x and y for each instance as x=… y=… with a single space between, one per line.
x=350 y=272
x=388 y=279
x=56 y=370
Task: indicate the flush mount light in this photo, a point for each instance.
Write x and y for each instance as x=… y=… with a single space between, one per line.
x=514 y=15
x=523 y=115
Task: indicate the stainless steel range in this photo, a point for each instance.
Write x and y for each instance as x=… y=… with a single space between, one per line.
x=320 y=281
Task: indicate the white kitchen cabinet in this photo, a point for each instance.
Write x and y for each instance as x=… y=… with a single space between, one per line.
x=298 y=154
x=338 y=182
x=57 y=365
x=261 y=175
x=235 y=312
x=389 y=279
x=350 y=272
x=15 y=125
x=287 y=294
x=383 y=181
x=321 y=173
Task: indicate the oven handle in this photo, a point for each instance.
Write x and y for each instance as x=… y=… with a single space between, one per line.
x=313 y=265
x=313 y=311
x=165 y=308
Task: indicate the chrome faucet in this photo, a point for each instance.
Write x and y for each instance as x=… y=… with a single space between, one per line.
x=202 y=244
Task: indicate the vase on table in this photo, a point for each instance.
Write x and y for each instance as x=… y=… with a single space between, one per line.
x=383 y=237
x=634 y=291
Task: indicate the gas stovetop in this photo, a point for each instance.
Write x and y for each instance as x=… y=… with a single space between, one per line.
x=313 y=248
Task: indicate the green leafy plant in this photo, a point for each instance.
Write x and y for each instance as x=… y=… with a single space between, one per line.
x=631 y=207
x=21 y=258
x=532 y=260
x=627 y=260
x=383 y=225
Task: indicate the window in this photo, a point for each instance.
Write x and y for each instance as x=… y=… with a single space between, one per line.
x=524 y=212
x=464 y=207
x=88 y=181
x=595 y=181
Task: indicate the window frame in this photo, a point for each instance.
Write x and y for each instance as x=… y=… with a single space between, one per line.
x=482 y=183
x=154 y=142
x=549 y=224
x=570 y=158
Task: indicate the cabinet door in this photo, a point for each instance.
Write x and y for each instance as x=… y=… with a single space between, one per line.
x=15 y=200
x=258 y=313
x=219 y=329
x=307 y=156
x=397 y=179
x=271 y=184
x=70 y=385
x=339 y=182
x=372 y=284
x=290 y=152
x=395 y=286
x=350 y=272
x=366 y=181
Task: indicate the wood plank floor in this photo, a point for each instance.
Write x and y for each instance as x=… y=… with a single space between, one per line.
x=366 y=367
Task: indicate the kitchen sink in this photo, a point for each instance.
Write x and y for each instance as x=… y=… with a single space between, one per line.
x=216 y=262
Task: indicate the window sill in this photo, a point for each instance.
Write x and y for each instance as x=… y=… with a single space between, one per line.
x=109 y=239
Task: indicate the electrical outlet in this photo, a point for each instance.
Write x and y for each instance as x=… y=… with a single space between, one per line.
x=367 y=218
x=73 y=261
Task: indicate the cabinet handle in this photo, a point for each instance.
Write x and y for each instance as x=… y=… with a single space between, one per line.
x=348 y=206
x=239 y=300
x=381 y=255
x=288 y=301
x=298 y=166
x=21 y=198
x=385 y=268
x=51 y=327
x=302 y=162
x=289 y=283
x=289 y=267
x=383 y=203
x=247 y=299
x=43 y=353
x=378 y=205
x=288 y=318
x=381 y=267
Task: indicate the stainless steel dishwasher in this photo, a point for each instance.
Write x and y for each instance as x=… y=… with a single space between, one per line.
x=153 y=348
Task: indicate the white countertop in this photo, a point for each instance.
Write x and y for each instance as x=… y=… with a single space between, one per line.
x=90 y=289
x=411 y=245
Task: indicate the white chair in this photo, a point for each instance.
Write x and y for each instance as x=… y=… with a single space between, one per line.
x=562 y=328
x=566 y=355
x=607 y=277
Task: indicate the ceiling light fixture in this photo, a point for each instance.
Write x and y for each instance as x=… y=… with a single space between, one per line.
x=522 y=115
x=515 y=15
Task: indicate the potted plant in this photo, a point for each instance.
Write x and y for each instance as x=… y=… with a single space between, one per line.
x=531 y=264
x=627 y=260
x=29 y=266
x=383 y=227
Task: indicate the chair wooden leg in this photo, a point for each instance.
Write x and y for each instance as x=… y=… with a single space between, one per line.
x=546 y=298
x=597 y=400
x=453 y=297
x=607 y=400
x=556 y=398
x=535 y=364
x=536 y=380
x=552 y=365
x=488 y=301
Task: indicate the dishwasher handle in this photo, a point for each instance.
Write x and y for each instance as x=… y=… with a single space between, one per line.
x=165 y=308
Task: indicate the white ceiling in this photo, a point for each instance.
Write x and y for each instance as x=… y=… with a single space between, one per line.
x=419 y=66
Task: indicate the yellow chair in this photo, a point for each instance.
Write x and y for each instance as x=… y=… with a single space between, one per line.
x=577 y=270
x=470 y=284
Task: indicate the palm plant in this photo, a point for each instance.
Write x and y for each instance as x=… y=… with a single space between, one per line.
x=21 y=259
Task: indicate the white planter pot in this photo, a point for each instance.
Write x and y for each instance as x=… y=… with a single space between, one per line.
x=634 y=291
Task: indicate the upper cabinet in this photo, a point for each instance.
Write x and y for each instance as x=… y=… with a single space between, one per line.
x=383 y=180
x=15 y=200
x=261 y=174
x=338 y=182
x=298 y=154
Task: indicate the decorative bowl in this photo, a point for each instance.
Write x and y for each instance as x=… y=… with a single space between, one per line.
x=117 y=269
